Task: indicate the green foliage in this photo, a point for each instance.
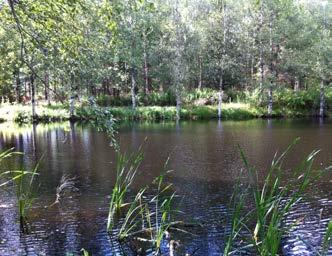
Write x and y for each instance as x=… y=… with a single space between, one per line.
x=142 y=219
x=166 y=98
x=24 y=184
x=101 y=118
x=84 y=252
x=22 y=117
x=270 y=206
x=126 y=169
x=290 y=103
x=108 y=100
x=327 y=241
x=155 y=113
x=299 y=100
x=45 y=114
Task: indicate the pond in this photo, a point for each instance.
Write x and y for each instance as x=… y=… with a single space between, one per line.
x=205 y=160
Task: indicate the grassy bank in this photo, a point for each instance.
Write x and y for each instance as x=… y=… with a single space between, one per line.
x=59 y=113
x=196 y=105
x=22 y=113
x=234 y=111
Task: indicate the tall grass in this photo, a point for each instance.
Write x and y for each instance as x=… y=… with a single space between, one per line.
x=6 y=175
x=126 y=169
x=327 y=240
x=272 y=200
x=149 y=221
x=163 y=209
x=237 y=223
x=144 y=220
x=23 y=183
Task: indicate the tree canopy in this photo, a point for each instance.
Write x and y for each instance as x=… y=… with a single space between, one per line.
x=85 y=48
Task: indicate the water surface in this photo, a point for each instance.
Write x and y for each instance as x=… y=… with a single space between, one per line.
x=206 y=162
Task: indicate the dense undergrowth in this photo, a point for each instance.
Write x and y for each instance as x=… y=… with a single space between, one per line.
x=196 y=105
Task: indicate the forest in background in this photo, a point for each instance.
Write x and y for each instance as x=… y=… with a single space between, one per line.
x=139 y=52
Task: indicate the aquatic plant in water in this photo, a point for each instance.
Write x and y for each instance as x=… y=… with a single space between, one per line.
x=24 y=184
x=149 y=221
x=25 y=193
x=144 y=220
x=327 y=241
x=272 y=201
x=126 y=169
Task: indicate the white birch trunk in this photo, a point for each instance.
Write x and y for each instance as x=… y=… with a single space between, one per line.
x=322 y=99
x=71 y=105
x=146 y=68
x=178 y=69
x=261 y=51
x=296 y=85
x=220 y=95
x=200 y=73
x=33 y=100
x=133 y=89
x=270 y=91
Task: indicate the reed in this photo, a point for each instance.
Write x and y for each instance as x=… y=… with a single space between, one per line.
x=144 y=220
x=149 y=221
x=126 y=169
x=162 y=211
x=24 y=184
x=327 y=240
x=274 y=199
x=5 y=175
x=238 y=221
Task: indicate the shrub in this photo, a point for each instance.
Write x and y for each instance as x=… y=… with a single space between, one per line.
x=166 y=98
x=109 y=100
x=22 y=117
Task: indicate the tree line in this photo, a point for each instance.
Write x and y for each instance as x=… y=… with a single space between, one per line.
x=67 y=49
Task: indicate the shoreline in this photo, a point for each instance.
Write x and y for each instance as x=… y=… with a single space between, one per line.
x=21 y=114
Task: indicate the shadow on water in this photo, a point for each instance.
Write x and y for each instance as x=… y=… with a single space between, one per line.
x=206 y=161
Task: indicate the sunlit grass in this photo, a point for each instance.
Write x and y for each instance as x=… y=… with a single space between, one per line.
x=235 y=111
x=23 y=113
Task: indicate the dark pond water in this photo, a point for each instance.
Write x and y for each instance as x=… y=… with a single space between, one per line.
x=206 y=163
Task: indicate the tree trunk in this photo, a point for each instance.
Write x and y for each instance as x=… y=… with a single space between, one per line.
x=72 y=97
x=33 y=100
x=199 y=87
x=296 y=84
x=71 y=106
x=270 y=94
x=133 y=88
x=178 y=65
x=221 y=81
x=270 y=100
x=322 y=99
x=220 y=95
x=18 y=87
x=26 y=92
x=146 y=67
x=261 y=50
x=46 y=88
x=178 y=104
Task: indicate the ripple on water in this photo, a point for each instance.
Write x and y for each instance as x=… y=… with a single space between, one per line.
x=306 y=225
